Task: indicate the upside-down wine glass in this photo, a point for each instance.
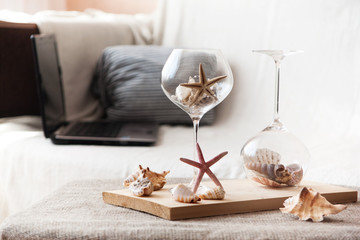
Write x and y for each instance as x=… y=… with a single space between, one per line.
x=275 y=157
x=196 y=80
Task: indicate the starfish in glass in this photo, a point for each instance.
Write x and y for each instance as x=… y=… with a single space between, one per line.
x=203 y=86
x=204 y=167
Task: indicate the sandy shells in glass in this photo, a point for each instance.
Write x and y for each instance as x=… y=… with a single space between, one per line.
x=275 y=158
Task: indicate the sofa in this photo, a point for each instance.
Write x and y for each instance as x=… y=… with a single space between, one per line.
x=320 y=91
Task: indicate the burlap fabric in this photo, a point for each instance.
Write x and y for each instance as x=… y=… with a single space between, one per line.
x=77 y=211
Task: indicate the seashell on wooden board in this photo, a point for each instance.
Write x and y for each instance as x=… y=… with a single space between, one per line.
x=182 y=193
x=132 y=177
x=216 y=193
x=157 y=179
x=141 y=187
x=310 y=204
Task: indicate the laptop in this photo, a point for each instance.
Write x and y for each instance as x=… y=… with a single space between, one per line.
x=52 y=107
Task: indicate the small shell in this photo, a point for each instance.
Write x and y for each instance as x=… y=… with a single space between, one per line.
x=310 y=204
x=141 y=187
x=267 y=182
x=264 y=155
x=296 y=172
x=185 y=94
x=182 y=193
x=216 y=193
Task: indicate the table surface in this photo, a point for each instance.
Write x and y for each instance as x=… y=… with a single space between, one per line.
x=242 y=195
x=77 y=211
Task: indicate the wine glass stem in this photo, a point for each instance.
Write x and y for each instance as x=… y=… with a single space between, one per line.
x=277 y=89
x=196 y=122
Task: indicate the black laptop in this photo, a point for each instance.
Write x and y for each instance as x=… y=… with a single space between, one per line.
x=51 y=96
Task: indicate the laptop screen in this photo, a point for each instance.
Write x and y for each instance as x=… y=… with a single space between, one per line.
x=49 y=82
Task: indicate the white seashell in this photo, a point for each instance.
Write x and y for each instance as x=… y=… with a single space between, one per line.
x=184 y=94
x=216 y=193
x=141 y=187
x=182 y=193
x=132 y=177
x=310 y=204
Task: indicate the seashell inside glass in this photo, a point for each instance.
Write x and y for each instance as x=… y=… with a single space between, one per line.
x=275 y=157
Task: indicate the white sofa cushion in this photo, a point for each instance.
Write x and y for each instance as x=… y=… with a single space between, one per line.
x=127 y=80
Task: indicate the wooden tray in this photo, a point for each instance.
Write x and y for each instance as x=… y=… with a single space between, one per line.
x=242 y=195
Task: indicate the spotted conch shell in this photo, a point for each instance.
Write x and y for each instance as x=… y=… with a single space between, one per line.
x=157 y=179
x=264 y=155
x=216 y=193
x=132 y=177
x=310 y=204
x=182 y=193
x=141 y=187
x=266 y=164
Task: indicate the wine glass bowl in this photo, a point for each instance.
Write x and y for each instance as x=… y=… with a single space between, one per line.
x=183 y=68
x=275 y=157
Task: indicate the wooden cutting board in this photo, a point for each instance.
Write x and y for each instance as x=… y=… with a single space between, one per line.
x=242 y=195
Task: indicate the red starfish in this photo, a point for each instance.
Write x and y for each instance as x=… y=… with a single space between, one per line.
x=203 y=86
x=204 y=167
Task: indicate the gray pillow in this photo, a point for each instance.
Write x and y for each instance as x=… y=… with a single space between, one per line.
x=127 y=81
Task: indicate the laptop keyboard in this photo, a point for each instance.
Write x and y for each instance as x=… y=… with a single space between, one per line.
x=95 y=129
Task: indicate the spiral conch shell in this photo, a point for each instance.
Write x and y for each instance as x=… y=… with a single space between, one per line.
x=141 y=187
x=310 y=204
x=216 y=193
x=157 y=179
x=264 y=155
x=182 y=193
x=132 y=177
x=269 y=171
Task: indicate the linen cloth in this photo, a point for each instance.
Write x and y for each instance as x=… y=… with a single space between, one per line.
x=77 y=211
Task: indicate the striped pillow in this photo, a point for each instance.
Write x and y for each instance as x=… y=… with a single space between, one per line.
x=127 y=80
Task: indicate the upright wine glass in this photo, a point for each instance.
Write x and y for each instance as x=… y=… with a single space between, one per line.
x=196 y=80
x=275 y=157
